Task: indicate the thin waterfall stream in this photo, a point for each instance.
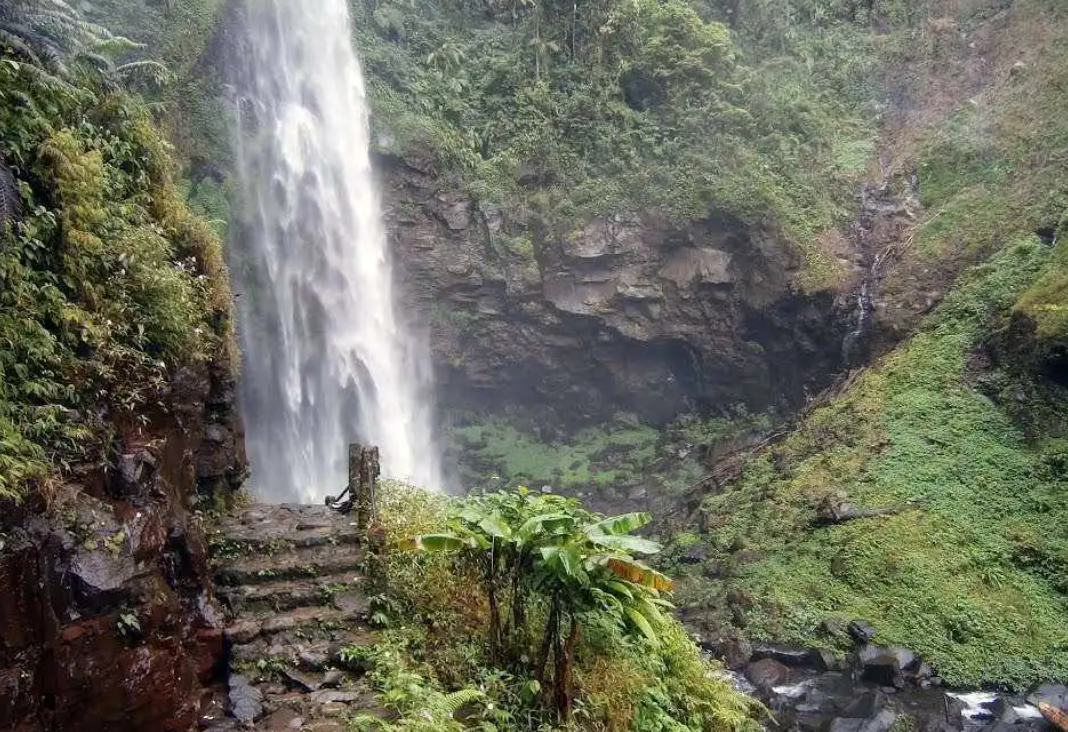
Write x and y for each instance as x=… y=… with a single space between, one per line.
x=328 y=355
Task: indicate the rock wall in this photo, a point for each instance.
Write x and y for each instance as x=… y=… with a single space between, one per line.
x=629 y=312
x=107 y=618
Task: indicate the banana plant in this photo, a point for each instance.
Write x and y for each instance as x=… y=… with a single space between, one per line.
x=547 y=551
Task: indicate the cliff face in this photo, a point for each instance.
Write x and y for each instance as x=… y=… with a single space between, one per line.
x=630 y=312
x=107 y=620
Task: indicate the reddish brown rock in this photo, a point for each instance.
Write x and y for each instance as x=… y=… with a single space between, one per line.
x=107 y=617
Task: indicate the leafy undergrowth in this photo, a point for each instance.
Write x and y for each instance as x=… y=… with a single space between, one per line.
x=108 y=284
x=973 y=570
x=613 y=660
x=554 y=114
x=998 y=164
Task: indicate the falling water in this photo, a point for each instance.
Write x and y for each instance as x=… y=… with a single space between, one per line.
x=327 y=359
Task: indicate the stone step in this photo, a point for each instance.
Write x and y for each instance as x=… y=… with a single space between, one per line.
x=287 y=594
x=278 y=527
x=300 y=652
x=304 y=562
x=343 y=611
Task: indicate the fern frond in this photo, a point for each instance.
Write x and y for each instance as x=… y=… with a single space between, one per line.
x=450 y=704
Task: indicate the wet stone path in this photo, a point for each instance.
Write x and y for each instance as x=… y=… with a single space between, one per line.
x=290 y=579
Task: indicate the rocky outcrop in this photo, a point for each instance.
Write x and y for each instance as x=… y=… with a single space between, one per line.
x=107 y=619
x=630 y=312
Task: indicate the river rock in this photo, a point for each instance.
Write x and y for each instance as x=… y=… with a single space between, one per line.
x=883 y=666
x=767 y=673
x=796 y=656
x=881 y=722
x=246 y=701
x=865 y=706
x=1054 y=694
x=861 y=631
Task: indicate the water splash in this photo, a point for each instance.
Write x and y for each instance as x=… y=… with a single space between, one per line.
x=327 y=359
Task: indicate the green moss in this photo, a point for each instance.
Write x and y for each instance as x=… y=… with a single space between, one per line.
x=107 y=282
x=970 y=572
x=497 y=447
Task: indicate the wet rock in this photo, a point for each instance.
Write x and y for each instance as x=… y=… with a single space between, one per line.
x=882 y=666
x=279 y=623
x=100 y=577
x=767 y=673
x=861 y=631
x=243 y=632
x=304 y=681
x=246 y=701
x=823 y=660
x=1054 y=694
x=327 y=696
x=881 y=722
x=734 y=650
x=352 y=603
x=694 y=554
x=283 y=720
x=332 y=679
x=313 y=660
x=796 y=656
x=865 y=706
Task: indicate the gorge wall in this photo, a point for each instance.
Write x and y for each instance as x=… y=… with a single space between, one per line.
x=628 y=313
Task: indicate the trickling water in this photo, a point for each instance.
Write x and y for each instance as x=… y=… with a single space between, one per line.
x=327 y=359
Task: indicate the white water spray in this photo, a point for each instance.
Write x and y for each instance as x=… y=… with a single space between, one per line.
x=327 y=359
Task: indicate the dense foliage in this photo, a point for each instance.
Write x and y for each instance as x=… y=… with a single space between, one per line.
x=556 y=112
x=972 y=571
x=565 y=623
x=961 y=430
x=107 y=282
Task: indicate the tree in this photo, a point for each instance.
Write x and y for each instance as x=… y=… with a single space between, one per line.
x=546 y=555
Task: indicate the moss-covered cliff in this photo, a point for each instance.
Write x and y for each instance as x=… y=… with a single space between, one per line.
x=116 y=391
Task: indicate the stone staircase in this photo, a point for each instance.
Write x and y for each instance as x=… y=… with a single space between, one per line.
x=290 y=578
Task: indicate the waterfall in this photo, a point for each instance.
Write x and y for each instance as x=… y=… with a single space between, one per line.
x=327 y=358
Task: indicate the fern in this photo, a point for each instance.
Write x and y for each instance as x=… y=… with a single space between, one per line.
x=448 y=705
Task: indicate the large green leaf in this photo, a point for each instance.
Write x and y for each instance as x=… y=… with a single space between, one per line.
x=626 y=543
x=496 y=527
x=435 y=543
x=622 y=524
x=549 y=523
x=642 y=623
x=567 y=558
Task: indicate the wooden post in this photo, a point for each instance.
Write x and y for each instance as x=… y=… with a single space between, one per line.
x=364 y=470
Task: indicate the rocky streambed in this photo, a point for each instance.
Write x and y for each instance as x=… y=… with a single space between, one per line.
x=875 y=689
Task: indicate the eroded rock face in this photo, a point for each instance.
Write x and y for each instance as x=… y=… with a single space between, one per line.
x=107 y=620
x=629 y=312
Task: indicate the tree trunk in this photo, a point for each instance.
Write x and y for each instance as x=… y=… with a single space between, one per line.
x=562 y=672
x=495 y=610
x=546 y=642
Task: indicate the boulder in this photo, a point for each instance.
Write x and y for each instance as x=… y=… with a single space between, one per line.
x=861 y=631
x=864 y=706
x=789 y=655
x=246 y=701
x=767 y=673
x=879 y=666
x=1053 y=694
x=881 y=722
